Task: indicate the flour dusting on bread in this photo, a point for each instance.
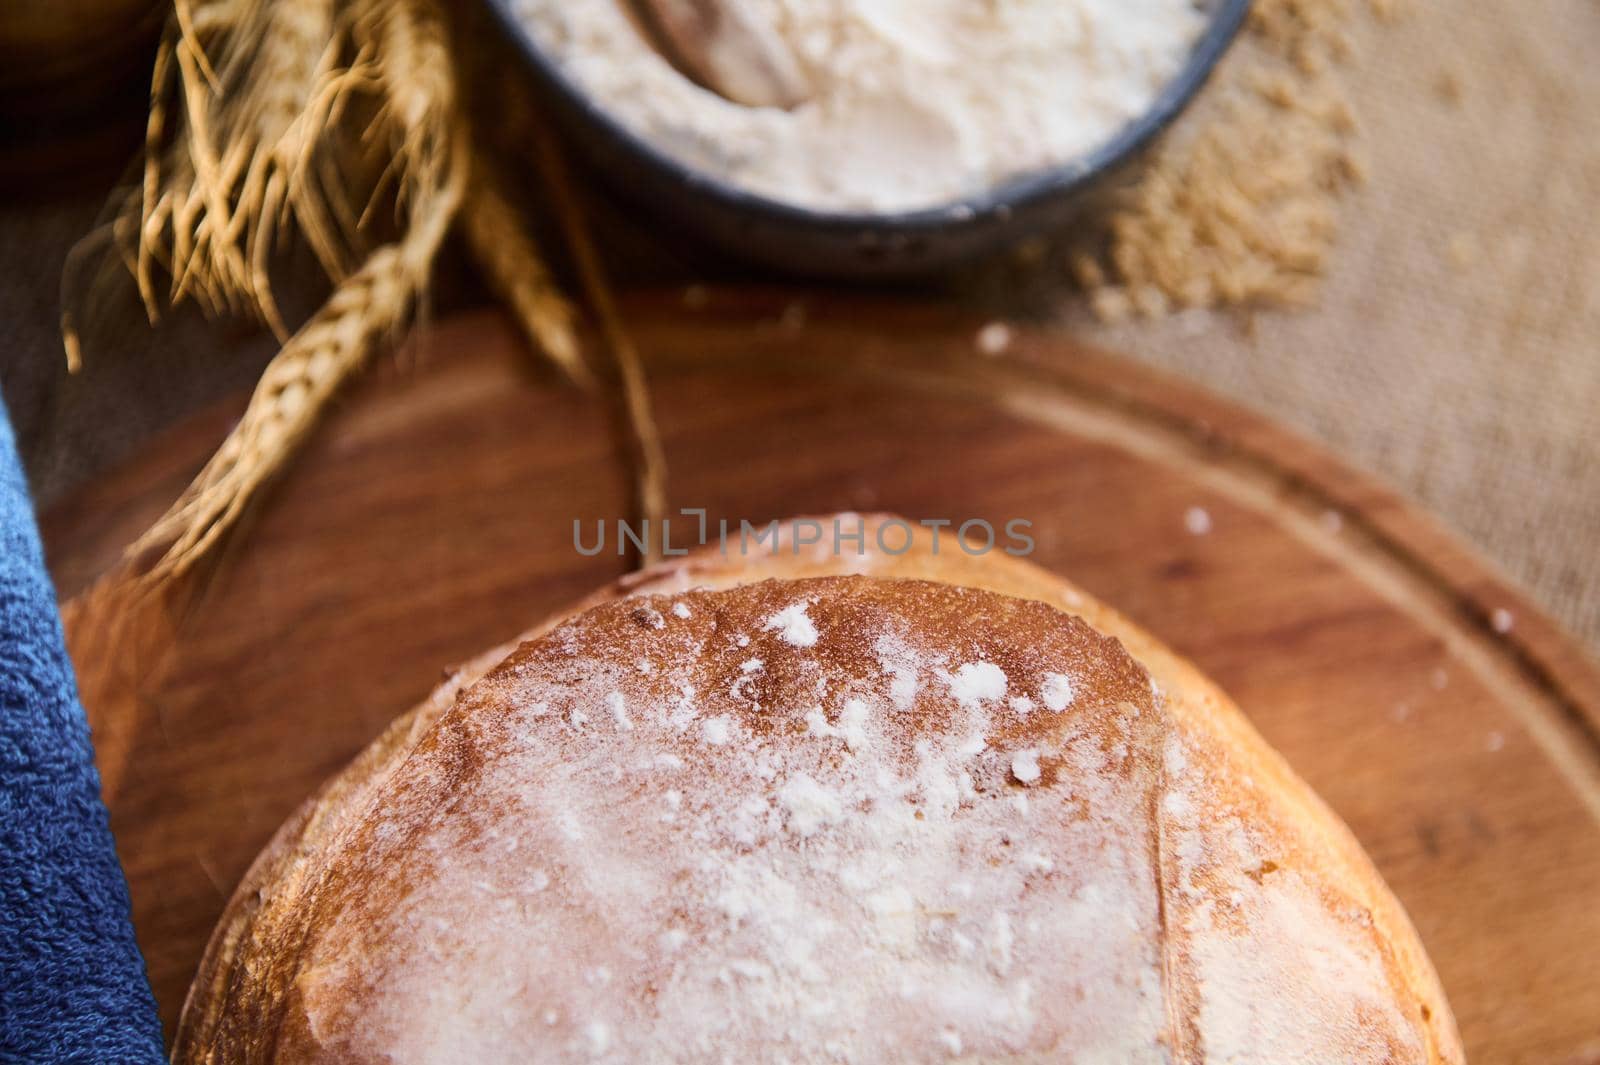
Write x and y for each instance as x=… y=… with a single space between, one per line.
x=838 y=839
x=825 y=818
x=803 y=875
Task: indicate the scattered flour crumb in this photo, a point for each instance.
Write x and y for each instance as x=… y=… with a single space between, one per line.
x=1332 y=521
x=901 y=666
x=619 y=710
x=1025 y=766
x=684 y=712
x=1002 y=942
x=811 y=807
x=1021 y=705
x=680 y=609
x=718 y=730
x=852 y=726
x=903 y=690
x=1037 y=861
x=747 y=671
x=1057 y=692
x=1502 y=620
x=598 y=1035
x=977 y=682
x=1197 y=520
x=793 y=624
x=994 y=338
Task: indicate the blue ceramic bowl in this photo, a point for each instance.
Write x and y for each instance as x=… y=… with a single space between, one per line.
x=798 y=240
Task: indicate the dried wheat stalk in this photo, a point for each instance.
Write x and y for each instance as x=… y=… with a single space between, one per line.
x=259 y=143
x=649 y=458
x=513 y=267
x=252 y=144
x=364 y=311
x=247 y=142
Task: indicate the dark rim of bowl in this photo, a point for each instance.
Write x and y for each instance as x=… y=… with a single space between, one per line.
x=1057 y=182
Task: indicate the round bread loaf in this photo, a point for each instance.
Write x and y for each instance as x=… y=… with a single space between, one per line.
x=805 y=806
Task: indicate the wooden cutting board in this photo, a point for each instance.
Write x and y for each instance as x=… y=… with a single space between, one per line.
x=1453 y=726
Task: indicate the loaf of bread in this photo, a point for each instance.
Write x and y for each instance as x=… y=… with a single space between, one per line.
x=806 y=806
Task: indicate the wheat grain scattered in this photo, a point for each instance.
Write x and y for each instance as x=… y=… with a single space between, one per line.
x=1240 y=208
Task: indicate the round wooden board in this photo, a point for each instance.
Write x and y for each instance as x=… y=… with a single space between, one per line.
x=433 y=517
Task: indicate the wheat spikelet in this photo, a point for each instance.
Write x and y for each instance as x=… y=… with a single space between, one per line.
x=243 y=137
x=272 y=125
x=364 y=310
x=418 y=79
x=367 y=308
x=241 y=99
x=277 y=125
x=514 y=268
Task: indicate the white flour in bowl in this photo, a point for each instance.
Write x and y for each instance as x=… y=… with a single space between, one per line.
x=915 y=103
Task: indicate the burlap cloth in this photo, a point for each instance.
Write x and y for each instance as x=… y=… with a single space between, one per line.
x=1455 y=350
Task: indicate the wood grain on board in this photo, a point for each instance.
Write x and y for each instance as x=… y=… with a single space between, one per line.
x=1453 y=726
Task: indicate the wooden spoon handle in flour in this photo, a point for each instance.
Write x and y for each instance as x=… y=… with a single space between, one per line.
x=728 y=48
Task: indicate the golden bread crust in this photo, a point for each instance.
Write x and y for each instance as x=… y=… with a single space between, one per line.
x=1256 y=928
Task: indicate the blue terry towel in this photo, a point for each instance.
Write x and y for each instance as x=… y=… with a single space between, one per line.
x=72 y=981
